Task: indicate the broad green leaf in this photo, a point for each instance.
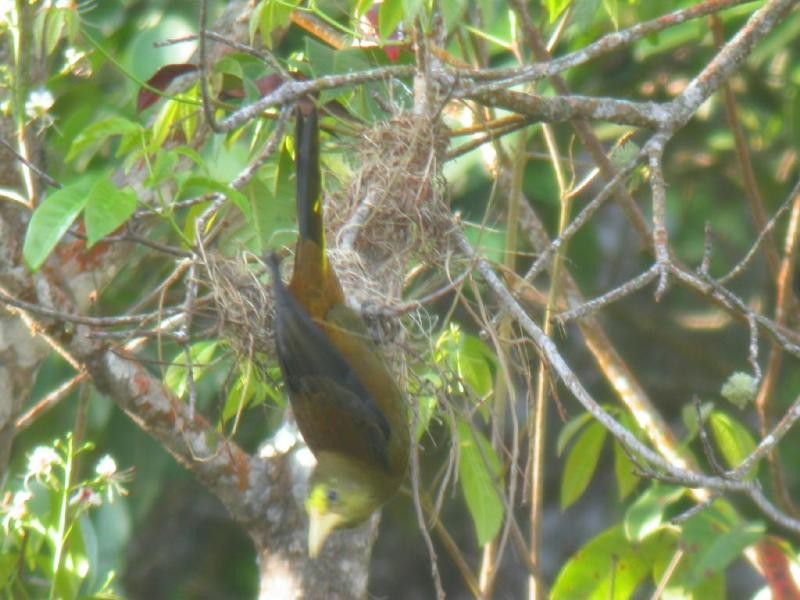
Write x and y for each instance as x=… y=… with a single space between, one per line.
x=426 y=408
x=51 y=220
x=8 y=564
x=54 y=27
x=200 y=184
x=163 y=169
x=733 y=440
x=689 y=417
x=274 y=14
x=320 y=58
x=569 y=430
x=581 y=463
x=390 y=14
x=490 y=242
x=230 y=65
x=679 y=586
x=473 y=365
x=607 y=567
x=726 y=548
x=624 y=469
x=201 y=355
x=713 y=541
x=108 y=207
x=166 y=118
x=555 y=8
x=273 y=217
x=452 y=12
x=247 y=391
x=612 y=10
x=98 y=132
x=583 y=14
x=625 y=473
x=255 y=20
x=480 y=475
x=361 y=7
x=211 y=185
x=646 y=515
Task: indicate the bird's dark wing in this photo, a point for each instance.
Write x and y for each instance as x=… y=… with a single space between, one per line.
x=331 y=404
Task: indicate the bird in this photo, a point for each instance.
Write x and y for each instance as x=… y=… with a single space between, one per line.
x=346 y=403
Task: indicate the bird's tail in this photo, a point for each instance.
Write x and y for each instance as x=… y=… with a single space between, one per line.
x=309 y=198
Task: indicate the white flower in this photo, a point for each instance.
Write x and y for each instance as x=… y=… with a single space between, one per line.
x=41 y=461
x=106 y=467
x=39 y=102
x=86 y=497
x=6 y=9
x=19 y=505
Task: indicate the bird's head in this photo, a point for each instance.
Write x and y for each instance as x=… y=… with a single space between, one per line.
x=342 y=493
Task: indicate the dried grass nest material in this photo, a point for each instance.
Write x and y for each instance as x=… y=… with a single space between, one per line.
x=392 y=211
x=394 y=208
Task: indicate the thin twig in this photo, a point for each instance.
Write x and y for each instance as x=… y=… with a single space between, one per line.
x=626 y=289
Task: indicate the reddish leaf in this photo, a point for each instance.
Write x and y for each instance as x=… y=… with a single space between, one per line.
x=160 y=81
x=775 y=567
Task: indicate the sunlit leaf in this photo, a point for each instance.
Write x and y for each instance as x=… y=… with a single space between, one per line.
x=732 y=438
x=479 y=473
x=715 y=538
x=581 y=463
x=107 y=208
x=97 y=133
x=51 y=220
x=201 y=355
x=647 y=514
x=608 y=566
x=624 y=471
x=390 y=15
x=570 y=428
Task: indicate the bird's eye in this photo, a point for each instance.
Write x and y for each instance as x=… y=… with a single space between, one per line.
x=333 y=496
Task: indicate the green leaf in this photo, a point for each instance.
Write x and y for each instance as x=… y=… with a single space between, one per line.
x=51 y=220
x=625 y=473
x=646 y=515
x=163 y=169
x=98 y=132
x=689 y=417
x=608 y=566
x=612 y=10
x=569 y=430
x=255 y=20
x=8 y=564
x=426 y=408
x=583 y=14
x=724 y=549
x=390 y=14
x=320 y=58
x=453 y=12
x=274 y=14
x=733 y=440
x=201 y=354
x=555 y=8
x=713 y=539
x=679 y=586
x=473 y=365
x=247 y=391
x=53 y=29
x=107 y=208
x=581 y=463
x=480 y=474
